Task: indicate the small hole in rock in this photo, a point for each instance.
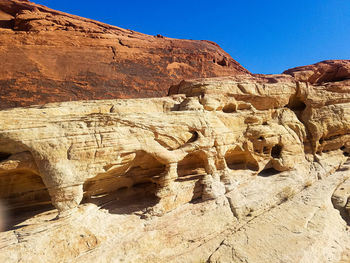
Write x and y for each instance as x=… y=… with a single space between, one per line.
x=222 y=62
x=4 y=156
x=296 y=104
x=276 y=151
x=193 y=138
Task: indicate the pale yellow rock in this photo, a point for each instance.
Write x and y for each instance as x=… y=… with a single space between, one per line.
x=227 y=171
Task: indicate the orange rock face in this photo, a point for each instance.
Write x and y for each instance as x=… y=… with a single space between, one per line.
x=50 y=56
x=322 y=72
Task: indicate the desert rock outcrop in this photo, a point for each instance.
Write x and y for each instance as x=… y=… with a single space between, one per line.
x=322 y=72
x=230 y=169
x=50 y=56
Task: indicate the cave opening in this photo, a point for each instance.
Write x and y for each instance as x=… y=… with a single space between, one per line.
x=4 y=156
x=193 y=165
x=24 y=195
x=296 y=104
x=128 y=187
x=222 y=62
x=238 y=159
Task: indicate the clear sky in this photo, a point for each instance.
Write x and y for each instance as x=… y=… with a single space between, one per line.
x=264 y=36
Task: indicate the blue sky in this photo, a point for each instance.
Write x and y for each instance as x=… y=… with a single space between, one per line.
x=264 y=36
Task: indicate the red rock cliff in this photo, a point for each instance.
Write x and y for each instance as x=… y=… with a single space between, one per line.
x=49 y=56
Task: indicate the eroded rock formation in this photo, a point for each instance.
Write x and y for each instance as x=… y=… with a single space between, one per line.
x=244 y=168
x=50 y=56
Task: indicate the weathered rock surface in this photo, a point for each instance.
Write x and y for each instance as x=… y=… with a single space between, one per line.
x=322 y=72
x=234 y=169
x=50 y=56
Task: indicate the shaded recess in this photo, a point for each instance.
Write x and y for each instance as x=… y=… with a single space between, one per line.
x=22 y=188
x=237 y=159
x=134 y=179
x=191 y=169
x=7 y=23
x=297 y=105
x=193 y=138
x=6 y=20
x=4 y=156
x=343 y=211
x=345 y=150
x=24 y=195
x=276 y=151
x=229 y=108
x=193 y=165
x=332 y=143
x=266 y=172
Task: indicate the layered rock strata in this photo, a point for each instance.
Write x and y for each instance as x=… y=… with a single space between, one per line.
x=223 y=170
x=50 y=56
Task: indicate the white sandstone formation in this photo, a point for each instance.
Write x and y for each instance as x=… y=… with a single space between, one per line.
x=227 y=170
